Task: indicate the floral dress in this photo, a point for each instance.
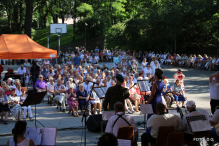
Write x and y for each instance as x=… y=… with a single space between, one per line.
x=16 y=107
x=72 y=101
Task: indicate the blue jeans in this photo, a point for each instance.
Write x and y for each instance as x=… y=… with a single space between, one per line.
x=179 y=98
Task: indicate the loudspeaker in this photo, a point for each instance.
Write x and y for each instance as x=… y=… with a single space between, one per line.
x=94 y=123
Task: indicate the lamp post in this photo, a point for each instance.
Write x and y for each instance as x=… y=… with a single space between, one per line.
x=170 y=5
x=85 y=33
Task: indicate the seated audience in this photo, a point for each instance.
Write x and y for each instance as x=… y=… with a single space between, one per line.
x=157 y=120
x=178 y=93
x=25 y=108
x=72 y=100
x=95 y=100
x=15 y=107
x=4 y=107
x=40 y=85
x=60 y=94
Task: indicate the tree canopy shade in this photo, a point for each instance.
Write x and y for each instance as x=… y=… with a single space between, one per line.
x=20 y=46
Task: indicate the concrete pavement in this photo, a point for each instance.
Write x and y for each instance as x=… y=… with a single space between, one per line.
x=196 y=86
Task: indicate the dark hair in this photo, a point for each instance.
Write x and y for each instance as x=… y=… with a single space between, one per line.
x=159 y=73
x=18 y=129
x=118 y=106
x=107 y=139
x=160 y=107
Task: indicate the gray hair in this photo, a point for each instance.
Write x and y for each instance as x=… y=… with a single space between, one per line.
x=50 y=78
x=70 y=86
x=70 y=79
x=118 y=106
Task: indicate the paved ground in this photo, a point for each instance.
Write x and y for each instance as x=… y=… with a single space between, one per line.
x=197 y=89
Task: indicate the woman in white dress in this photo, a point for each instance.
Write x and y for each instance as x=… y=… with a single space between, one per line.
x=95 y=100
x=18 y=135
x=144 y=63
x=15 y=103
x=147 y=70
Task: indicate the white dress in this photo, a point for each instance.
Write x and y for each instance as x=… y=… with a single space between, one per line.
x=97 y=99
x=25 y=142
x=16 y=108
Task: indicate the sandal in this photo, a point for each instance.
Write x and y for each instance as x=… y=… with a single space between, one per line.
x=31 y=118
x=6 y=122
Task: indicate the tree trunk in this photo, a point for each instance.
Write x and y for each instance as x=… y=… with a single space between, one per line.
x=74 y=25
x=63 y=18
x=9 y=19
x=20 y=23
x=28 y=18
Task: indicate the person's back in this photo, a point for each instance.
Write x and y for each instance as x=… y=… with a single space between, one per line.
x=25 y=142
x=157 y=121
x=116 y=93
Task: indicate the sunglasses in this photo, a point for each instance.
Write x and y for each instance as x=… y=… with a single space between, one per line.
x=40 y=77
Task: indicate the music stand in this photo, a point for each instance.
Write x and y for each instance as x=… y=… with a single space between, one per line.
x=144 y=87
x=34 y=99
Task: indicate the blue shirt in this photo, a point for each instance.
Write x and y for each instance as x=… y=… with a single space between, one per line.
x=77 y=60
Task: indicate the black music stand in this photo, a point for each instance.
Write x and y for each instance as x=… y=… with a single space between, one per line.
x=34 y=99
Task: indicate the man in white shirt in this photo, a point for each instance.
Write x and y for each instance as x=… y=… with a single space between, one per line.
x=214 y=91
x=120 y=120
x=191 y=107
x=88 y=84
x=22 y=71
x=50 y=90
x=157 y=120
x=108 y=83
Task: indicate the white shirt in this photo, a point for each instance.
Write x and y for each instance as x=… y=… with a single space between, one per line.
x=164 y=56
x=108 y=84
x=87 y=86
x=186 y=125
x=146 y=71
x=120 y=123
x=135 y=80
x=123 y=74
x=214 y=90
x=21 y=71
x=25 y=142
x=50 y=87
x=157 y=121
x=18 y=92
x=97 y=58
x=215 y=119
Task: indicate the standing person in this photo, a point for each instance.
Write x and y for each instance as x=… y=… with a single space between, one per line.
x=157 y=88
x=77 y=60
x=214 y=91
x=116 y=93
x=19 y=140
x=22 y=71
x=35 y=72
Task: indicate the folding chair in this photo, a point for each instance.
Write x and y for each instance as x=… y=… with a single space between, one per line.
x=175 y=138
x=163 y=134
x=126 y=133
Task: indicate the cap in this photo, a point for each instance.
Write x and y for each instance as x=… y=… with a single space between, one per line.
x=190 y=103
x=120 y=78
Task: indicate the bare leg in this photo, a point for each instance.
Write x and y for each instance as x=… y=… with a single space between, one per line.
x=95 y=107
x=99 y=106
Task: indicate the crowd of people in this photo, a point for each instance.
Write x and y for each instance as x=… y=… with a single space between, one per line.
x=72 y=84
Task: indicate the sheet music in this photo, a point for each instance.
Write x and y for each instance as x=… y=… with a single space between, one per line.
x=34 y=134
x=200 y=125
x=99 y=92
x=143 y=85
x=14 y=98
x=104 y=89
x=172 y=111
x=123 y=142
x=49 y=136
x=146 y=109
x=107 y=114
